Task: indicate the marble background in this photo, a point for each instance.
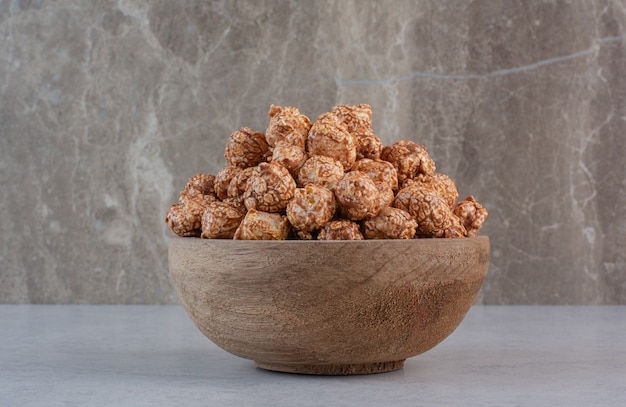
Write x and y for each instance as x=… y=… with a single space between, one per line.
x=107 y=107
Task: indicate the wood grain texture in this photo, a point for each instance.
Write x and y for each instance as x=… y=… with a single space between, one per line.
x=333 y=307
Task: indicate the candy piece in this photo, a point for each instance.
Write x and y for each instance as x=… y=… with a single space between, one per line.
x=288 y=124
x=456 y=228
x=269 y=189
x=390 y=223
x=258 y=225
x=432 y=213
x=381 y=172
x=471 y=214
x=441 y=183
x=245 y=148
x=185 y=218
x=330 y=137
x=202 y=183
x=357 y=118
x=238 y=184
x=223 y=179
x=311 y=208
x=409 y=158
x=385 y=195
x=189 y=194
x=289 y=156
x=358 y=121
x=357 y=196
x=341 y=229
x=369 y=146
x=320 y=170
x=221 y=220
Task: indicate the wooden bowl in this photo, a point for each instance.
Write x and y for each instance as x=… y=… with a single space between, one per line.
x=328 y=307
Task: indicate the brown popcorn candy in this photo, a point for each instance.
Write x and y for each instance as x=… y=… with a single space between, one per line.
x=357 y=196
x=202 y=184
x=390 y=223
x=369 y=146
x=269 y=189
x=381 y=172
x=385 y=195
x=456 y=228
x=409 y=158
x=320 y=170
x=223 y=179
x=185 y=218
x=341 y=229
x=441 y=183
x=245 y=148
x=358 y=120
x=288 y=124
x=221 y=220
x=257 y=225
x=330 y=137
x=236 y=203
x=187 y=195
x=304 y=235
x=471 y=214
x=432 y=213
x=238 y=184
x=311 y=208
x=289 y=156
x=341 y=169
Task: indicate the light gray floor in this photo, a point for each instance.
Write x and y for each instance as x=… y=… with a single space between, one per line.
x=154 y=356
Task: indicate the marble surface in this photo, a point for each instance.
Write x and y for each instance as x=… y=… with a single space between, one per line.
x=106 y=108
x=66 y=355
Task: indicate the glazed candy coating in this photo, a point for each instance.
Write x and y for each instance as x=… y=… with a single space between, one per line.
x=390 y=223
x=357 y=118
x=369 y=146
x=222 y=180
x=287 y=124
x=258 y=225
x=330 y=179
x=187 y=195
x=311 y=208
x=471 y=214
x=289 y=156
x=245 y=148
x=358 y=121
x=456 y=228
x=238 y=184
x=269 y=189
x=385 y=195
x=201 y=183
x=441 y=183
x=330 y=137
x=381 y=172
x=341 y=229
x=320 y=170
x=185 y=218
x=357 y=196
x=432 y=213
x=221 y=220
x=409 y=158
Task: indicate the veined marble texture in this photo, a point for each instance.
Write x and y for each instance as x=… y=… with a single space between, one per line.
x=107 y=107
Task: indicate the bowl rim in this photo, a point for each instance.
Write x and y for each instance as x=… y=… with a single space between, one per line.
x=433 y=241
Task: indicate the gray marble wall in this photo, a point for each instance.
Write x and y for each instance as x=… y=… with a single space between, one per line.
x=106 y=108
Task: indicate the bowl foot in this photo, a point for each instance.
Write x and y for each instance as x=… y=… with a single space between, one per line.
x=334 y=369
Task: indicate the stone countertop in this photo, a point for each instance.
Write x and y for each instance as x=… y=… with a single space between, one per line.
x=88 y=355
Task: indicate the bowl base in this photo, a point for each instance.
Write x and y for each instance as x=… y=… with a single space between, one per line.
x=334 y=369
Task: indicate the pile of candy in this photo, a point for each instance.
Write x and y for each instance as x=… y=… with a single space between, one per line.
x=332 y=179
